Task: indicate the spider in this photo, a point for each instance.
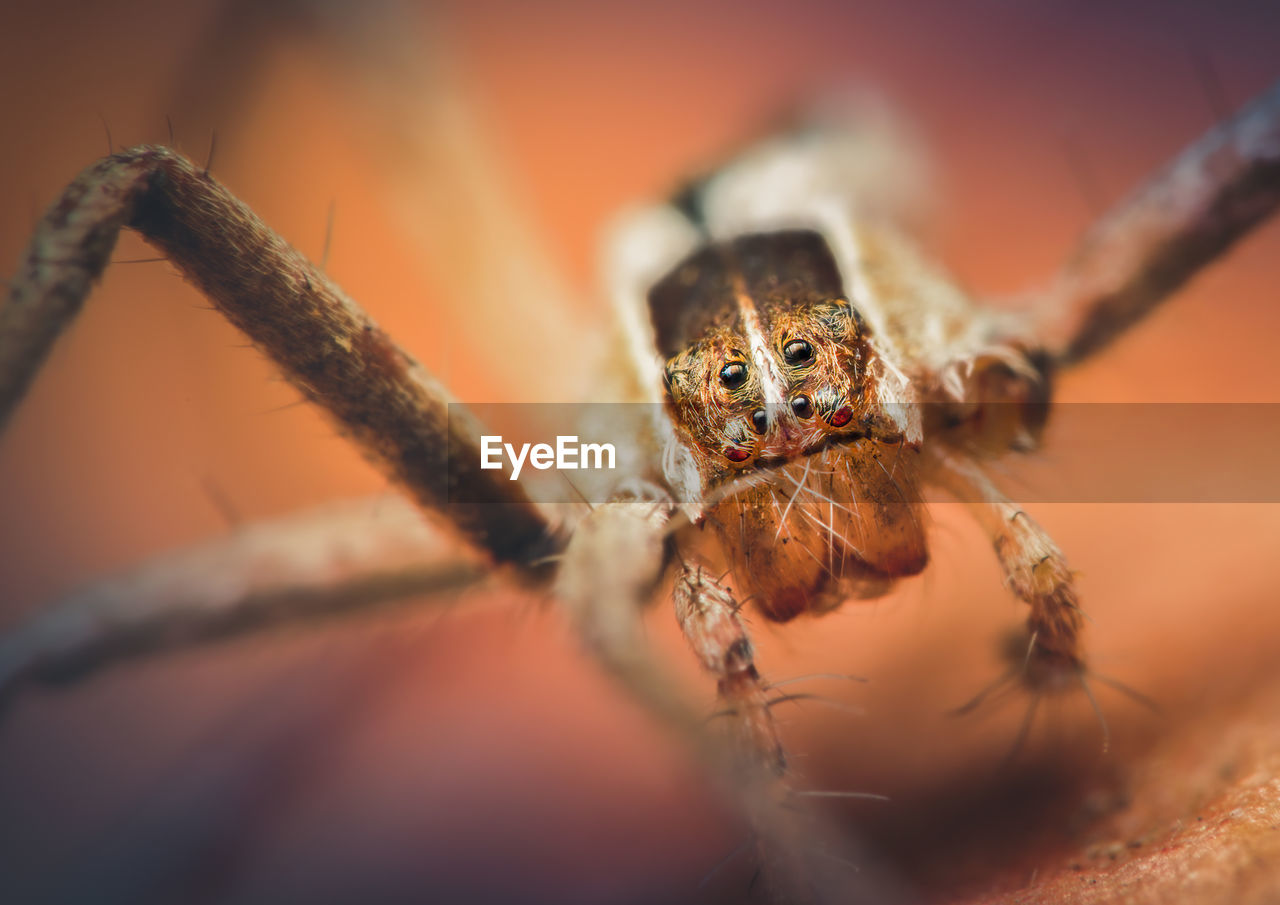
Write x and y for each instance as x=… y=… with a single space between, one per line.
x=1015 y=373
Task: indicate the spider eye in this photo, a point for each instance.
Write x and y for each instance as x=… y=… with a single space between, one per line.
x=841 y=416
x=733 y=375
x=797 y=352
x=737 y=454
x=759 y=421
x=802 y=406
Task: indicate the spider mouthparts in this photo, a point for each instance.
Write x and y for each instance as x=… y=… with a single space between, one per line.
x=822 y=528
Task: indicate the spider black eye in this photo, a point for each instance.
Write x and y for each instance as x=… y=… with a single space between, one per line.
x=733 y=375
x=802 y=406
x=797 y=352
x=759 y=421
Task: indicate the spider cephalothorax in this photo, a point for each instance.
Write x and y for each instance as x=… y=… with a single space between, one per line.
x=767 y=360
x=774 y=390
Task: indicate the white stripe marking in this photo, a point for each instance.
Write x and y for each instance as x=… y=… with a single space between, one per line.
x=771 y=380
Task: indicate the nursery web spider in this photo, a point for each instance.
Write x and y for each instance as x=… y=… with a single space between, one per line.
x=814 y=368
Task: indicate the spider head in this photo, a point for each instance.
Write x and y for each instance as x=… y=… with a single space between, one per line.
x=766 y=360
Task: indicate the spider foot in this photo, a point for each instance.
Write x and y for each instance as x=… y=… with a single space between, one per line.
x=1042 y=670
x=1041 y=663
x=1032 y=667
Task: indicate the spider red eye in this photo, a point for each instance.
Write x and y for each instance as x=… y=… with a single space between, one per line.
x=759 y=421
x=737 y=454
x=802 y=406
x=797 y=352
x=842 y=416
x=733 y=375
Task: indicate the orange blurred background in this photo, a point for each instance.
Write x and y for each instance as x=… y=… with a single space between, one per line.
x=476 y=756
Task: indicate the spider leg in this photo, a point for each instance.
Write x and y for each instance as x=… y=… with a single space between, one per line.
x=800 y=859
x=709 y=617
x=326 y=345
x=1159 y=237
x=324 y=562
x=443 y=175
x=1048 y=656
x=611 y=566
